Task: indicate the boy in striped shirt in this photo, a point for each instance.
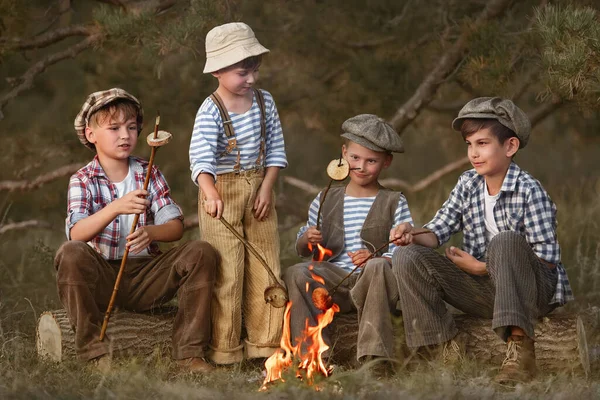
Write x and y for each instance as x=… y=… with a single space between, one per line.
x=509 y=268
x=355 y=222
x=236 y=151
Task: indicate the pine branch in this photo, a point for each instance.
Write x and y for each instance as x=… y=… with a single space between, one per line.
x=25 y=185
x=33 y=223
x=26 y=80
x=46 y=39
x=543 y=111
x=444 y=67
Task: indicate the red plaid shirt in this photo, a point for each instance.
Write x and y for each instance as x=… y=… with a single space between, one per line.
x=90 y=190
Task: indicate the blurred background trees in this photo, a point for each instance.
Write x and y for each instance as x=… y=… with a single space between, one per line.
x=412 y=62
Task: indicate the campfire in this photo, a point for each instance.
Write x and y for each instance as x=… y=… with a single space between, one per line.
x=310 y=362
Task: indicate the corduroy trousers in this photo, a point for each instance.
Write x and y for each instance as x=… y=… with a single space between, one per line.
x=241 y=278
x=516 y=292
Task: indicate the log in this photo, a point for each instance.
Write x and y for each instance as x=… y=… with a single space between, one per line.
x=129 y=334
x=564 y=342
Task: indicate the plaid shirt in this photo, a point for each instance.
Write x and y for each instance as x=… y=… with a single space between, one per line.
x=523 y=207
x=90 y=190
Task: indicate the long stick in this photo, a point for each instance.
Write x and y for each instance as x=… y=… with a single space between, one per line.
x=250 y=248
x=126 y=253
x=368 y=258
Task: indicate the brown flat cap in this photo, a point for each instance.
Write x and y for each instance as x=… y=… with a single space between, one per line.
x=96 y=101
x=372 y=132
x=502 y=110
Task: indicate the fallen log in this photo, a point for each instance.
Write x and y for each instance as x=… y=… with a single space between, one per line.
x=564 y=342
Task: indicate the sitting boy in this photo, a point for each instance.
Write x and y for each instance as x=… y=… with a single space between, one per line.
x=354 y=217
x=103 y=197
x=509 y=269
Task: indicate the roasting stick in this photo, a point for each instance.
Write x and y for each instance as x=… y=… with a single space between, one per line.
x=133 y=227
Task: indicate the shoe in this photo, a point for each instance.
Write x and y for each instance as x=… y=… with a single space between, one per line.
x=519 y=364
x=102 y=364
x=453 y=351
x=195 y=365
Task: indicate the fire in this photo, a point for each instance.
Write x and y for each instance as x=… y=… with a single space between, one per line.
x=322 y=252
x=311 y=362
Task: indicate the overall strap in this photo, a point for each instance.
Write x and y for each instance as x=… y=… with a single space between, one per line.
x=228 y=127
x=260 y=99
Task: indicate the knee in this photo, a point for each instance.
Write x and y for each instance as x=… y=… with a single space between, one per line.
x=404 y=259
x=375 y=267
x=504 y=241
x=72 y=260
x=201 y=254
x=295 y=275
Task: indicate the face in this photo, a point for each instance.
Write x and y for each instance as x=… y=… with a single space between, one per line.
x=365 y=164
x=114 y=138
x=487 y=155
x=238 y=81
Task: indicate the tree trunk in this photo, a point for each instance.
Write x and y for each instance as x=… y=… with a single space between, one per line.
x=129 y=334
x=564 y=342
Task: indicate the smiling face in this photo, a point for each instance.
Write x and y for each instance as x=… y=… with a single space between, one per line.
x=114 y=137
x=365 y=164
x=489 y=157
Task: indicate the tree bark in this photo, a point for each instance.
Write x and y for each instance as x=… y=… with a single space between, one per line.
x=564 y=342
x=129 y=334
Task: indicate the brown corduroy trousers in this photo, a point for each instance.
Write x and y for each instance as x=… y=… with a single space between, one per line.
x=241 y=278
x=86 y=280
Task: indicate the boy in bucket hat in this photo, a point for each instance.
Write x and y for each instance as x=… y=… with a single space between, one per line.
x=509 y=268
x=236 y=152
x=355 y=221
x=103 y=197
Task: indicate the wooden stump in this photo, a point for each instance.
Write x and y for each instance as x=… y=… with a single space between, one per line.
x=564 y=343
x=128 y=334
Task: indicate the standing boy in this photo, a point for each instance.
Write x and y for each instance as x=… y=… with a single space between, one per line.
x=509 y=268
x=103 y=197
x=356 y=220
x=236 y=152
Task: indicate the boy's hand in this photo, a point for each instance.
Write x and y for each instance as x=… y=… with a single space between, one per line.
x=358 y=257
x=313 y=236
x=139 y=240
x=213 y=205
x=262 y=203
x=401 y=234
x=134 y=202
x=465 y=261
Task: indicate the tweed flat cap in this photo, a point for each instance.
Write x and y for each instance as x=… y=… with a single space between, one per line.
x=372 y=132
x=502 y=110
x=96 y=101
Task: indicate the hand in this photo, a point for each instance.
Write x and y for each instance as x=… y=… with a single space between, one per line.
x=262 y=203
x=134 y=202
x=401 y=234
x=313 y=236
x=465 y=261
x=360 y=256
x=213 y=205
x=139 y=240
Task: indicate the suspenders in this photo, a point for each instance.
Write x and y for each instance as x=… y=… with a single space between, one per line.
x=230 y=134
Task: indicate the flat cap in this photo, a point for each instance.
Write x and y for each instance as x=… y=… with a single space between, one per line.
x=96 y=101
x=502 y=110
x=372 y=132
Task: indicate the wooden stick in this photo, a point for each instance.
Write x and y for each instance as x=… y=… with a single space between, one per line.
x=371 y=256
x=133 y=227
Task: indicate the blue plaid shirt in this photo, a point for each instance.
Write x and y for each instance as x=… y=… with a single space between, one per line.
x=523 y=207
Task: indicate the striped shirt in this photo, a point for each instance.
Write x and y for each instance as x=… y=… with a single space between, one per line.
x=209 y=140
x=90 y=190
x=523 y=206
x=356 y=210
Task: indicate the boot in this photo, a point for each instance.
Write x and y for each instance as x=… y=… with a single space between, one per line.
x=519 y=364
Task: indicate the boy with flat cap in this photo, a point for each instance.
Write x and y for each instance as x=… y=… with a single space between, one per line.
x=103 y=197
x=509 y=268
x=356 y=220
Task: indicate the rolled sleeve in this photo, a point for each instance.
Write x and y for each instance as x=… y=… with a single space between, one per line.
x=203 y=144
x=162 y=205
x=79 y=203
x=401 y=216
x=312 y=218
x=275 y=144
x=448 y=220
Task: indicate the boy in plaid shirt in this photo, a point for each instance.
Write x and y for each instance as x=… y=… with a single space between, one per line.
x=509 y=268
x=103 y=197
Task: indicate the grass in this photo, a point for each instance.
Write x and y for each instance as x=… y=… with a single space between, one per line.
x=27 y=287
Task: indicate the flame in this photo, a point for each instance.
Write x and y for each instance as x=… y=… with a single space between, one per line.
x=322 y=252
x=308 y=364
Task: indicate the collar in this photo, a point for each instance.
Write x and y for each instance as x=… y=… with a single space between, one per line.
x=511 y=177
x=96 y=170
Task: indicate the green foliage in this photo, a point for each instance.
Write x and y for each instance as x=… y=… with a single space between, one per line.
x=570 y=52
